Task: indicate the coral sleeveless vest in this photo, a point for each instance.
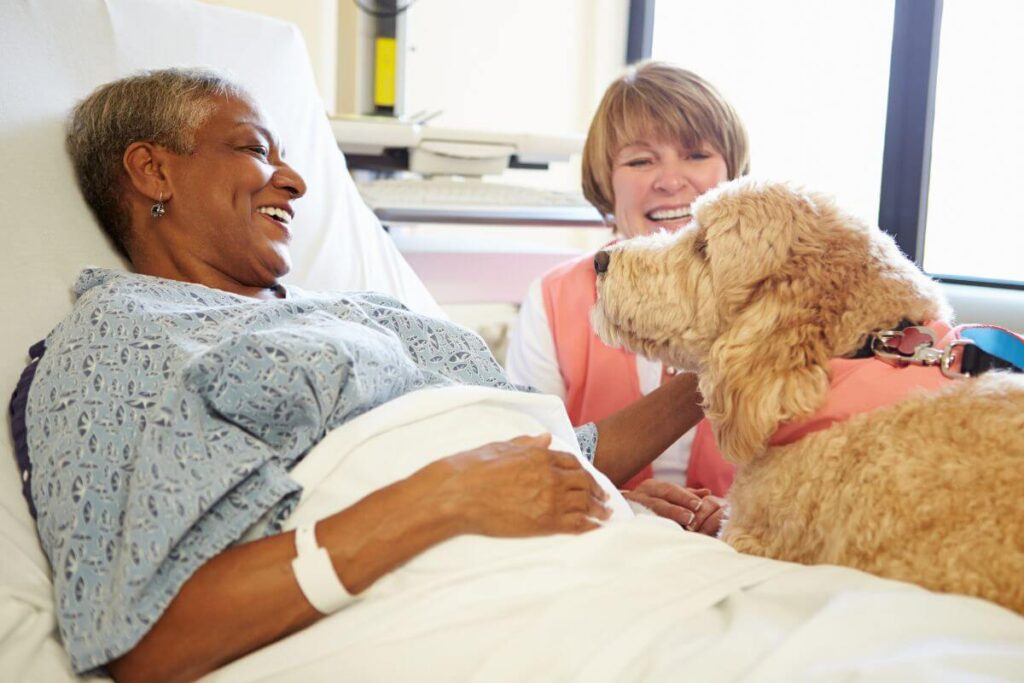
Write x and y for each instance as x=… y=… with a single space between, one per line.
x=599 y=380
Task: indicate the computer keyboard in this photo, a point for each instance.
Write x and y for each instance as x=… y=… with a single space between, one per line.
x=454 y=200
x=455 y=192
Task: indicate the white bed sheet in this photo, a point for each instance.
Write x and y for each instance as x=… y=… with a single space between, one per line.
x=639 y=599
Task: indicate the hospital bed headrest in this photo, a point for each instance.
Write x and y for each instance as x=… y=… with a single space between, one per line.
x=54 y=53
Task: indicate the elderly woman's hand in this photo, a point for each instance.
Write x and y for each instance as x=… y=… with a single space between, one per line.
x=693 y=509
x=520 y=488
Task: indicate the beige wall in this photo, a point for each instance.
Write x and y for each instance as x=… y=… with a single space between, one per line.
x=522 y=65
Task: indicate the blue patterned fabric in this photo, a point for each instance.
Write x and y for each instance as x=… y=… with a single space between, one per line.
x=164 y=417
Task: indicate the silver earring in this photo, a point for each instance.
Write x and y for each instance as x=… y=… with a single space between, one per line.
x=158 y=209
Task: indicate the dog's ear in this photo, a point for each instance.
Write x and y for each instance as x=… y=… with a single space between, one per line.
x=767 y=368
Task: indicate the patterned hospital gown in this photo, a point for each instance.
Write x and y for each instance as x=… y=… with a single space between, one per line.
x=164 y=417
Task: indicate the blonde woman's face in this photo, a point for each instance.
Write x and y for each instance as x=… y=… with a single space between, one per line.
x=654 y=183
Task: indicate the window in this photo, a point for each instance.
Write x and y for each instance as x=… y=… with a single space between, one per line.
x=809 y=78
x=974 y=228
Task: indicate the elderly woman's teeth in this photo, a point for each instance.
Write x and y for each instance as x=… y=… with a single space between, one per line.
x=274 y=212
x=669 y=214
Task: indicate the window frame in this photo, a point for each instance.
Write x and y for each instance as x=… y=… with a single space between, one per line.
x=906 y=156
x=640 y=31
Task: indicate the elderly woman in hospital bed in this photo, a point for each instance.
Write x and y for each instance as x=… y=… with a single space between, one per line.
x=221 y=379
x=170 y=563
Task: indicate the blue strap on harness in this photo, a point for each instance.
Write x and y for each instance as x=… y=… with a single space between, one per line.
x=994 y=349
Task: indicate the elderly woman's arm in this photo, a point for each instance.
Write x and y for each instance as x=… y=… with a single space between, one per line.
x=633 y=437
x=247 y=596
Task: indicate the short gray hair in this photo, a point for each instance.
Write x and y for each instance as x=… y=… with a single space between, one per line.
x=165 y=107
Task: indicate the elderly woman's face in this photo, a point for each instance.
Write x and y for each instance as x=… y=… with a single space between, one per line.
x=233 y=197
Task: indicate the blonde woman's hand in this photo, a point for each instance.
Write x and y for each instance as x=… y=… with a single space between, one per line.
x=693 y=509
x=520 y=487
x=710 y=513
x=666 y=499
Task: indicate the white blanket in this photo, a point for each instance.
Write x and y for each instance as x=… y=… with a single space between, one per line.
x=638 y=599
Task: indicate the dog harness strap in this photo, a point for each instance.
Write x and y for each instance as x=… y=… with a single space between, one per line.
x=965 y=351
x=992 y=348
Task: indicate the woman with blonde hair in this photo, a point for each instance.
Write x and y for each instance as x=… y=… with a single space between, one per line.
x=660 y=138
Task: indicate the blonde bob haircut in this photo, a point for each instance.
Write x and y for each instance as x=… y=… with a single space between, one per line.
x=658 y=101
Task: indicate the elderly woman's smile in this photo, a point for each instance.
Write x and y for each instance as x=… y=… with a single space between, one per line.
x=281 y=215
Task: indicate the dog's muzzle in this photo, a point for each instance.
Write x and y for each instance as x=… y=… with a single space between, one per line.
x=601 y=260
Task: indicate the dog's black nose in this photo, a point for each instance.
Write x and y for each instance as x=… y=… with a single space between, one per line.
x=601 y=260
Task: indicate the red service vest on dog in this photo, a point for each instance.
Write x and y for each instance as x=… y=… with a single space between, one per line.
x=860 y=385
x=600 y=380
x=856 y=385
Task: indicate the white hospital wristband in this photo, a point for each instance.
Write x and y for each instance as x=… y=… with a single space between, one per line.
x=315 y=573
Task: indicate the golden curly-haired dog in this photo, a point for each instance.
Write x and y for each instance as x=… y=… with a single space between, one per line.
x=757 y=295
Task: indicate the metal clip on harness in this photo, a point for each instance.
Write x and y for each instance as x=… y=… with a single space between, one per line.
x=915 y=345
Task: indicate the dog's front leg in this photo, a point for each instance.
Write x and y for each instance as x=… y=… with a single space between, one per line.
x=741 y=540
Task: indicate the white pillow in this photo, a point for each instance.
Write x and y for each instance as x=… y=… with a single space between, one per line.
x=54 y=53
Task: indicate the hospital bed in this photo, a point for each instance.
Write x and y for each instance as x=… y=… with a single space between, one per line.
x=638 y=600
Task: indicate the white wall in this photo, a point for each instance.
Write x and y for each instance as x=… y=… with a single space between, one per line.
x=531 y=65
x=318 y=22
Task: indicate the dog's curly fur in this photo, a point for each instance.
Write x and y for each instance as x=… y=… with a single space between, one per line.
x=765 y=287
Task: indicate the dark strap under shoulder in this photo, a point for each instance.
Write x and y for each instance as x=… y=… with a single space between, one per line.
x=19 y=427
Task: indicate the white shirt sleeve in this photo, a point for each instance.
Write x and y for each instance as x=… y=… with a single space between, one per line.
x=531 y=352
